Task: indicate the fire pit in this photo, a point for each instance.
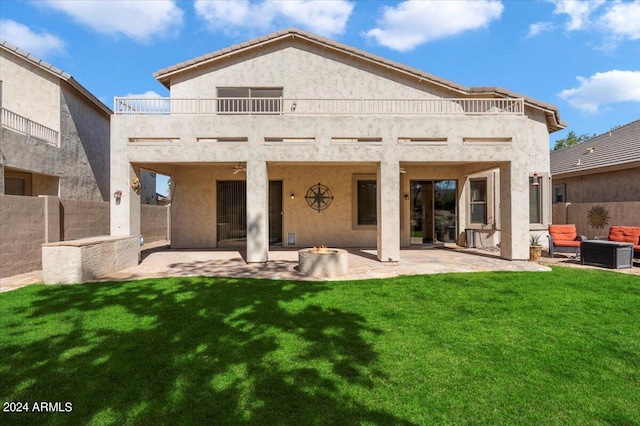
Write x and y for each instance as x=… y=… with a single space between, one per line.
x=323 y=262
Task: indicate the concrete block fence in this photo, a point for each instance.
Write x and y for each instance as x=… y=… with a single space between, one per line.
x=28 y=222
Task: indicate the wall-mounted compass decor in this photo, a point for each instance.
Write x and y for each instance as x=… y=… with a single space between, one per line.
x=319 y=197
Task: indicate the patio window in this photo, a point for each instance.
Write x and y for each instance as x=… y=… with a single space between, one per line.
x=535 y=201
x=559 y=193
x=478 y=203
x=261 y=100
x=367 y=208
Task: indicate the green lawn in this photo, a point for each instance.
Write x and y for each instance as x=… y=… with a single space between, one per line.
x=561 y=347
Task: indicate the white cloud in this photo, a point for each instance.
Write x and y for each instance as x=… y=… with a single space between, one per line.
x=540 y=27
x=40 y=44
x=623 y=20
x=411 y=23
x=579 y=12
x=139 y=20
x=326 y=18
x=147 y=94
x=604 y=88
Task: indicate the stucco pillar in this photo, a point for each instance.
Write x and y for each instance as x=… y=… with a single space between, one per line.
x=125 y=211
x=51 y=218
x=514 y=212
x=388 y=205
x=1 y=173
x=257 y=211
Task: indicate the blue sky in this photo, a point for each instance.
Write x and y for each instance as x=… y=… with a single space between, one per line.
x=582 y=56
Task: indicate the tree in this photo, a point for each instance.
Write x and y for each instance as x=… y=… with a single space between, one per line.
x=571 y=140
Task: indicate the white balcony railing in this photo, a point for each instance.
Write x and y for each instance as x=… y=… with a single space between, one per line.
x=289 y=106
x=22 y=124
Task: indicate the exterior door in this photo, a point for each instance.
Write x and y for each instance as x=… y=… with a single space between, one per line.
x=433 y=211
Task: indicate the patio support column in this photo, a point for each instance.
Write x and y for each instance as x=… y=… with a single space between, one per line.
x=388 y=205
x=257 y=211
x=125 y=211
x=514 y=211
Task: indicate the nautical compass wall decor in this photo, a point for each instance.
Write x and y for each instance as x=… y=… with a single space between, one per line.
x=319 y=197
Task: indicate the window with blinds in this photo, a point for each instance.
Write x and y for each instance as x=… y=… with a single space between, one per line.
x=535 y=201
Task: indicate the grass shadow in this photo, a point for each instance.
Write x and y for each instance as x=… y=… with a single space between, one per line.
x=188 y=351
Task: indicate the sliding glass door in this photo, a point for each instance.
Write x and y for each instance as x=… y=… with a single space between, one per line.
x=433 y=211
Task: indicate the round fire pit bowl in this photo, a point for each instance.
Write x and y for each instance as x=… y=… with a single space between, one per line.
x=327 y=263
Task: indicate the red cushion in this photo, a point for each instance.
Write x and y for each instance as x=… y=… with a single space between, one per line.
x=563 y=233
x=564 y=243
x=625 y=234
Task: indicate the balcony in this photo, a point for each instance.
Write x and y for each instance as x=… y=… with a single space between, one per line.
x=21 y=124
x=296 y=106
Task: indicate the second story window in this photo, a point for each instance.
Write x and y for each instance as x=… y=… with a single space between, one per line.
x=249 y=100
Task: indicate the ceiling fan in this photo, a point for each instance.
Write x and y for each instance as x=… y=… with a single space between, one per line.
x=239 y=168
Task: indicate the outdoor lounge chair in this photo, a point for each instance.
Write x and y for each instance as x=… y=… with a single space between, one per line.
x=626 y=234
x=564 y=239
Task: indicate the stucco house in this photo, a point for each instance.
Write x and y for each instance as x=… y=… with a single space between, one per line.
x=296 y=140
x=54 y=134
x=605 y=168
x=605 y=171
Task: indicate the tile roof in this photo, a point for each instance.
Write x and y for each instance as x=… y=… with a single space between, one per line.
x=164 y=74
x=55 y=71
x=613 y=148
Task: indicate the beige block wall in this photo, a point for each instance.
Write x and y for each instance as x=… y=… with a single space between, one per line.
x=154 y=222
x=84 y=219
x=625 y=213
x=22 y=232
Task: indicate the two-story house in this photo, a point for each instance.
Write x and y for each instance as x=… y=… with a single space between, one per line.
x=292 y=139
x=54 y=134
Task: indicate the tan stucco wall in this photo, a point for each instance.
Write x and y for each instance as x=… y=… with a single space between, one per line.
x=29 y=91
x=623 y=213
x=618 y=185
x=78 y=167
x=22 y=232
x=302 y=71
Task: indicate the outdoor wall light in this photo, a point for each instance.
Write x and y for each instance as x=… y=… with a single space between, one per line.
x=117 y=195
x=535 y=180
x=293 y=195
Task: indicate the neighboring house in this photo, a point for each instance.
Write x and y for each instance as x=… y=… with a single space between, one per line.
x=605 y=168
x=54 y=134
x=295 y=140
x=148 y=193
x=604 y=171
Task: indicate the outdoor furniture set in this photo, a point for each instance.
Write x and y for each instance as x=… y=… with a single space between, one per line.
x=617 y=251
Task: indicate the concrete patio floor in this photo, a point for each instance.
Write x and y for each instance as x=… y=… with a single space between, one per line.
x=363 y=264
x=158 y=261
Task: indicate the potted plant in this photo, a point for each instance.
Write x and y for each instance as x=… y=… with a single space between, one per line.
x=535 y=248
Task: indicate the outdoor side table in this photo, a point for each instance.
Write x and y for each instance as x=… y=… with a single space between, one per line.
x=608 y=254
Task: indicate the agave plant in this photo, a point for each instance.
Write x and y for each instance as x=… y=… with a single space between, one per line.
x=534 y=240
